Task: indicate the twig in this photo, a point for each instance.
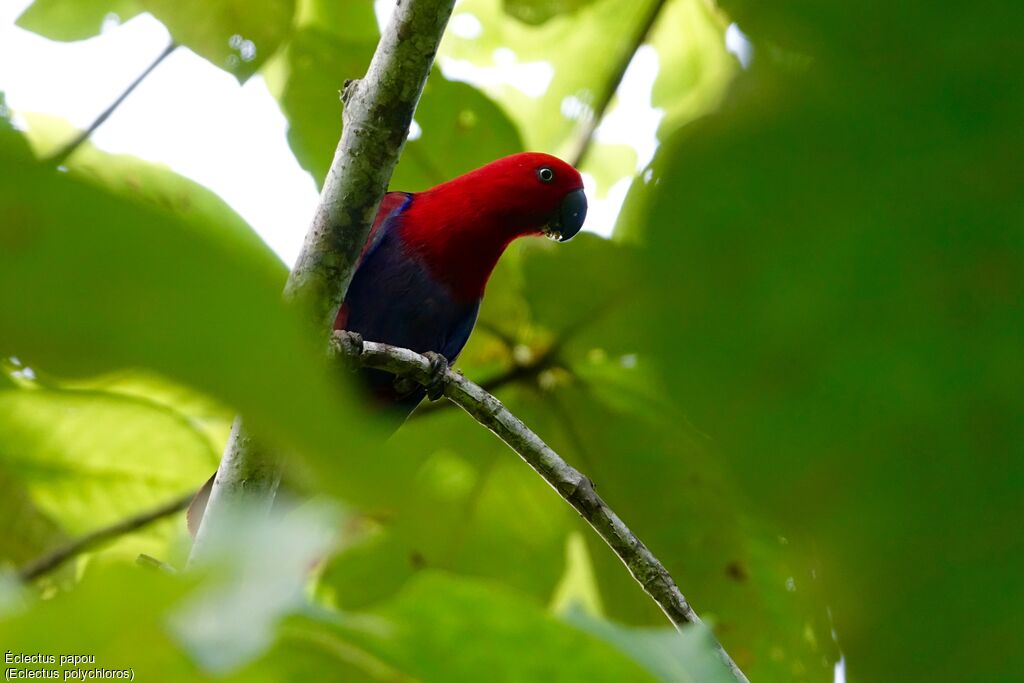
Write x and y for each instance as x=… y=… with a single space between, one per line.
x=62 y=154
x=601 y=106
x=377 y=114
x=58 y=556
x=571 y=485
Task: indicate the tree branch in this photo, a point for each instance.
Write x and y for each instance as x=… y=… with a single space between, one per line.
x=62 y=154
x=517 y=372
x=601 y=106
x=377 y=113
x=55 y=558
x=571 y=485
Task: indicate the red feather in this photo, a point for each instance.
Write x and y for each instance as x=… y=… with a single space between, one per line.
x=461 y=228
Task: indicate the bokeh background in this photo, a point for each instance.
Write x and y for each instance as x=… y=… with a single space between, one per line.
x=790 y=358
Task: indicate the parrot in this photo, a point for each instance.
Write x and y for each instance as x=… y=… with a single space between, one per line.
x=422 y=272
x=429 y=255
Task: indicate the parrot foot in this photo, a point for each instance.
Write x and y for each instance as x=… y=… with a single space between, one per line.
x=350 y=342
x=438 y=370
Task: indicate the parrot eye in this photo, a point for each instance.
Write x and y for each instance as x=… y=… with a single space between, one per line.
x=545 y=174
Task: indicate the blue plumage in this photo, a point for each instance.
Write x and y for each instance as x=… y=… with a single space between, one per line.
x=394 y=299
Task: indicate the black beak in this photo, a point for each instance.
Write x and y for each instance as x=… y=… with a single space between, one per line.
x=571 y=213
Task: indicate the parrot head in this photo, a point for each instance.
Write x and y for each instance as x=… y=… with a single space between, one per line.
x=540 y=194
x=523 y=194
x=546 y=194
x=460 y=228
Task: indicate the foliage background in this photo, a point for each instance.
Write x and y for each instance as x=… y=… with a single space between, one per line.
x=794 y=369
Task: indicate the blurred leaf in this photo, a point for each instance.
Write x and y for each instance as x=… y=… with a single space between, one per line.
x=12 y=142
x=25 y=531
x=549 y=122
x=694 y=68
x=89 y=458
x=461 y=128
x=74 y=19
x=671 y=656
x=841 y=245
x=81 y=460
x=577 y=589
x=127 y=610
x=539 y=11
x=124 y=609
x=205 y=415
x=440 y=628
x=350 y=22
x=149 y=182
x=258 y=567
x=235 y=35
x=448 y=495
x=653 y=472
x=307 y=76
x=179 y=297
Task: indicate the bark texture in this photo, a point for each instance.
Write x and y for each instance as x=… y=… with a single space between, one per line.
x=377 y=113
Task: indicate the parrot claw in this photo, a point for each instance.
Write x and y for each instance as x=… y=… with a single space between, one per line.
x=438 y=370
x=350 y=342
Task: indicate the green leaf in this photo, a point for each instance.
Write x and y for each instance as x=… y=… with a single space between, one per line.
x=694 y=69
x=235 y=35
x=89 y=458
x=125 y=611
x=256 y=571
x=12 y=142
x=25 y=530
x=539 y=11
x=841 y=248
x=307 y=77
x=178 y=297
x=546 y=122
x=448 y=495
x=149 y=182
x=74 y=19
x=461 y=128
x=440 y=628
x=671 y=656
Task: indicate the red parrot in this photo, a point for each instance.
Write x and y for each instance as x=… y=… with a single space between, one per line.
x=429 y=255
x=427 y=259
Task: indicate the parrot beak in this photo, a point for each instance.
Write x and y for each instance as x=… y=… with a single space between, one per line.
x=570 y=216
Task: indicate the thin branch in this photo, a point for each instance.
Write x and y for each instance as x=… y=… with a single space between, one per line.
x=58 y=556
x=601 y=106
x=62 y=154
x=376 y=118
x=571 y=485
